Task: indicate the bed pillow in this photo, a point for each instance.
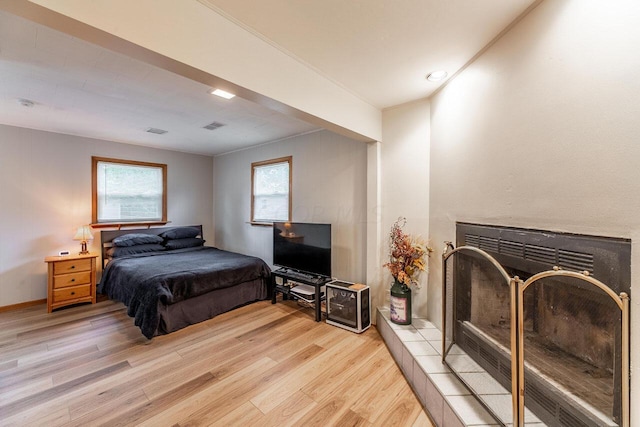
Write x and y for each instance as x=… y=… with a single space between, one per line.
x=133 y=239
x=180 y=233
x=189 y=242
x=118 y=251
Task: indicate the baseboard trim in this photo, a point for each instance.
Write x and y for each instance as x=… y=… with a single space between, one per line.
x=22 y=305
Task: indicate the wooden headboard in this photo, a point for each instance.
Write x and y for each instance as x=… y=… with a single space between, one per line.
x=107 y=236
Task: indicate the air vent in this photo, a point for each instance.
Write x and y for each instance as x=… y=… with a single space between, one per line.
x=541 y=398
x=530 y=251
x=505 y=370
x=488 y=244
x=156 y=131
x=471 y=343
x=472 y=240
x=213 y=125
x=569 y=420
x=490 y=358
x=571 y=260
x=540 y=254
x=515 y=249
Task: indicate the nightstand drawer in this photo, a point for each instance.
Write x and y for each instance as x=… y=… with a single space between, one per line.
x=71 y=292
x=64 y=280
x=71 y=266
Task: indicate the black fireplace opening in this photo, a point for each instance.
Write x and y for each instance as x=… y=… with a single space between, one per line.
x=571 y=328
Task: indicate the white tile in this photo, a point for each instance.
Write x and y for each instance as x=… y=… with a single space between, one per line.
x=408 y=335
x=501 y=405
x=420 y=348
x=463 y=363
x=397 y=327
x=419 y=382
x=483 y=383
x=430 y=333
x=384 y=333
x=407 y=363
x=437 y=344
x=384 y=311
x=383 y=318
x=469 y=410
x=434 y=403
x=449 y=385
x=450 y=419
x=432 y=364
x=379 y=318
x=383 y=329
x=395 y=345
x=422 y=324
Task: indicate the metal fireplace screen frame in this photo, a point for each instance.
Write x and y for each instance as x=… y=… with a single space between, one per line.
x=448 y=341
x=517 y=289
x=621 y=301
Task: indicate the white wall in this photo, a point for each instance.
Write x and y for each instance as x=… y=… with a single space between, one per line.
x=45 y=194
x=329 y=186
x=542 y=131
x=404 y=154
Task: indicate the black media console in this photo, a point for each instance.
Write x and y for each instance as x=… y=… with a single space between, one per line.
x=284 y=279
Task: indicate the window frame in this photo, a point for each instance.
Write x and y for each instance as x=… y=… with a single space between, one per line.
x=289 y=161
x=94 y=192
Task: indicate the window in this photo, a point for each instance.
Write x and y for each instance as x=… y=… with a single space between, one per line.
x=271 y=191
x=126 y=191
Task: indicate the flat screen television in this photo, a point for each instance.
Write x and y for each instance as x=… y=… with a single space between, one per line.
x=305 y=247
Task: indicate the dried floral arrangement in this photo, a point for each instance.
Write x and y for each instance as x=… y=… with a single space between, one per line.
x=406 y=254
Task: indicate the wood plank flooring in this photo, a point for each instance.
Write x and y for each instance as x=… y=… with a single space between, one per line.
x=259 y=365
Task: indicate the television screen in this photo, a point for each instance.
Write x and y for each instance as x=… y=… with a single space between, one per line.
x=303 y=246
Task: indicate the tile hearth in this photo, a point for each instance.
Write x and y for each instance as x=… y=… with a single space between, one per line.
x=417 y=350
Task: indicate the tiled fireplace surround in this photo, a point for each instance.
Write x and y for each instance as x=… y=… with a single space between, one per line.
x=417 y=349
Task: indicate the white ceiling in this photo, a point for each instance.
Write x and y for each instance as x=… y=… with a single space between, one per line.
x=379 y=50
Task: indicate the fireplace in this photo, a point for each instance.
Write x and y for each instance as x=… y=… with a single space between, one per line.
x=570 y=328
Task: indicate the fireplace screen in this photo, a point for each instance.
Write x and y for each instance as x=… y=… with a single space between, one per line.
x=573 y=354
x=535 y=343
x=568 y=332
x=479 y=320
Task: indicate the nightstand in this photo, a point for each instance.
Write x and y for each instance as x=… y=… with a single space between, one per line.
x=71 y=280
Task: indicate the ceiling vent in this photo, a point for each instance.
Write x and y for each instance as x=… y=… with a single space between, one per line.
x=156 y=131
x=213 y=125
x=26 y=102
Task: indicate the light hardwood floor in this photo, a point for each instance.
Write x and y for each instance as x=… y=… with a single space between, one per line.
x=259 y=365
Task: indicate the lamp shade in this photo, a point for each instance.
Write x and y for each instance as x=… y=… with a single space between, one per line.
x=83 y=233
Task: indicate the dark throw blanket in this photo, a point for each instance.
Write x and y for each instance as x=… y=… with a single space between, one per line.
x=141 y=281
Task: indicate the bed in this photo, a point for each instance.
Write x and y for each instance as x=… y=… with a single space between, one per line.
x=169 y=281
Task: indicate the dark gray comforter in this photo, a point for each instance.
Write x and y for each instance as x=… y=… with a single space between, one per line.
x=141 y=281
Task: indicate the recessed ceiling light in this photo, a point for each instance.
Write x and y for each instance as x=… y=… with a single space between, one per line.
x=437 y=76
x=222 y=93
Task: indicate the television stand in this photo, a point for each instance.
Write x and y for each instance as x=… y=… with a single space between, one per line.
x=284 y=279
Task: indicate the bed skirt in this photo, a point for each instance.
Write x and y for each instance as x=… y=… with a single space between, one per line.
x=195 y=310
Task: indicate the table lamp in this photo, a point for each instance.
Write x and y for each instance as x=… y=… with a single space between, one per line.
x=83 y=234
